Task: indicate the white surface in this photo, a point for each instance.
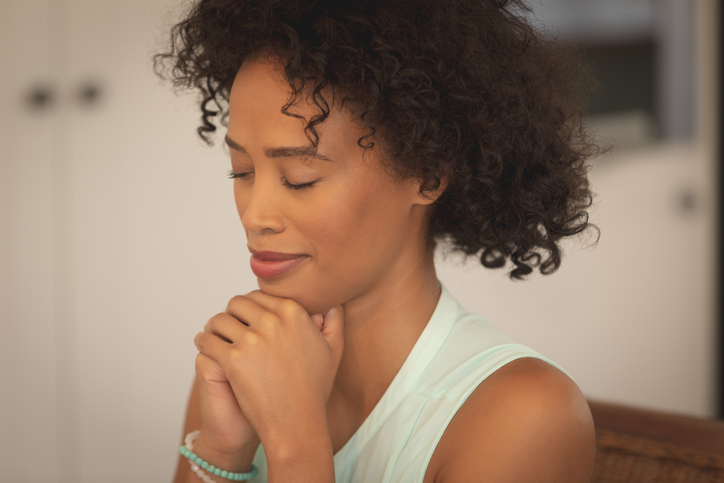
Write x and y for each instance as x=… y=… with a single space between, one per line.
x=627 y=318
x=124 y=214
x=28 y=430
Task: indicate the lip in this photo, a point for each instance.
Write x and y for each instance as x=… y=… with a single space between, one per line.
x=267 y=264
x=269 y=256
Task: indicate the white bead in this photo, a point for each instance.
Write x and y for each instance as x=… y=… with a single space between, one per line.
x=200 y=473
x=188 y=440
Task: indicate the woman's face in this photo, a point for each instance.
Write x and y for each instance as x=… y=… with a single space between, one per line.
x=341 y=218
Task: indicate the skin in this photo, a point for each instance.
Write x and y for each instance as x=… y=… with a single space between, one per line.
x=300 y=363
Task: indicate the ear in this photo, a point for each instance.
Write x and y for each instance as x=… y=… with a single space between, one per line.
x=428 y=197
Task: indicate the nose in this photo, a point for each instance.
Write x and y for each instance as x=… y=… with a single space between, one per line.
x=258 y=206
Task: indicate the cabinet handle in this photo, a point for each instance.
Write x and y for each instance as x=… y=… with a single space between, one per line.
x=89 y=93
x=40 y=98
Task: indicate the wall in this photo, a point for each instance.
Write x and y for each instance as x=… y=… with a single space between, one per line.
x=119 y=239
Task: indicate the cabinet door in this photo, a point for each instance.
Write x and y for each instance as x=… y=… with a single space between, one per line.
x=157 y=244
x=118 y=241
x=28 y=116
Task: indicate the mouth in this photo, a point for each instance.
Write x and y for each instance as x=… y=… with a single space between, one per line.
x=266 y=264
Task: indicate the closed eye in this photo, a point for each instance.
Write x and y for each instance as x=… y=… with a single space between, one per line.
x=300 y=186
x=233 y=175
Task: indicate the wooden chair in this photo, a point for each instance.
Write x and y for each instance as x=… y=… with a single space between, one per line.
x=636 y=445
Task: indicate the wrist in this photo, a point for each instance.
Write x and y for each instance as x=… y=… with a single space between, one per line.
x=310 y=460
x=238 y=461
x=307 y=423
x=303 y=442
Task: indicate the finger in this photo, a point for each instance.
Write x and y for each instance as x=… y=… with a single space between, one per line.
x=285 y=309
x=318 y=320
x=212 y=346
x=269 y=302
x=246 y=309
x=226 y=326
x=333 y=331
x=208 y=370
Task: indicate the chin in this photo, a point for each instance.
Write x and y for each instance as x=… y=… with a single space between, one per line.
x=307 y=297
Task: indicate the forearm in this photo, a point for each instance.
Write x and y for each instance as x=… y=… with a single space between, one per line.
x=310 y=463
x=305 y=457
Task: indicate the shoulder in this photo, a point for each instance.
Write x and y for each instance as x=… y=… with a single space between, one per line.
x=528 y=421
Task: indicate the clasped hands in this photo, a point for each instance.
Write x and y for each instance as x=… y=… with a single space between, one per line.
x=265 y=370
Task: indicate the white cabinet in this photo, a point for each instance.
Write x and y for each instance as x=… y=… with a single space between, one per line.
x=119 y=239
x=28 y=340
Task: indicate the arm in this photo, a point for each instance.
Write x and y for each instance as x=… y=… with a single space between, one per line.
x=241 y=462
x=526 y=422
x=284 y=361
x=192 y=422
x=305 y=457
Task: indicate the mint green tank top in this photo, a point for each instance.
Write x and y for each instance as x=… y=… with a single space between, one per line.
x=456 y=351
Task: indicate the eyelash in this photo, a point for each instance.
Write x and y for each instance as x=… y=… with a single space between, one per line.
x=233 y=175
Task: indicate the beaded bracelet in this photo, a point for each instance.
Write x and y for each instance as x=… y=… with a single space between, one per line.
x=200 y=473
x=197 y=464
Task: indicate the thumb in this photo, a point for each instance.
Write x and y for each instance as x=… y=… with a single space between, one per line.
x=333 y=331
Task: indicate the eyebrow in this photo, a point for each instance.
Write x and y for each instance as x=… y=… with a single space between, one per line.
x=281 y=152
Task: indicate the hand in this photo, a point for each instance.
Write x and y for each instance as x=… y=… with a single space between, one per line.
x=279 y=364
x=224 y=428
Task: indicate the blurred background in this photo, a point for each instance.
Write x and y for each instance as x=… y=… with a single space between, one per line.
x=119 y=237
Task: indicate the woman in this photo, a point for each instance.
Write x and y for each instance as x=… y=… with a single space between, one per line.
x=361 y=135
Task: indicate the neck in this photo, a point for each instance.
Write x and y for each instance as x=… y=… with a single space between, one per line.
x=381 y=327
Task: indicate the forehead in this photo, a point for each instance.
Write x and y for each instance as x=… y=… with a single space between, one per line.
x=257 y=97
x=260 y=82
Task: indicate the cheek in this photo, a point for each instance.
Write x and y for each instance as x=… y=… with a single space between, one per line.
x=241 y=199
x=357 y=226
x=334 y=227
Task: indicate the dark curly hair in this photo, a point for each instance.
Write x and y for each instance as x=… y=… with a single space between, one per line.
x=463 y=90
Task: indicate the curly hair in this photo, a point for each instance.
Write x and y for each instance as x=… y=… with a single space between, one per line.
x=462 y=90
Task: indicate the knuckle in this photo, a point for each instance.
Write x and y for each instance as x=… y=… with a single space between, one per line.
x=199 y=340
x=235 y=300
x=240 y=356
x=213 y=322
x=236 y=358
x=269 y=324
x=268 y=318
x=250 y=343
x=289 y=308
x=252 y=339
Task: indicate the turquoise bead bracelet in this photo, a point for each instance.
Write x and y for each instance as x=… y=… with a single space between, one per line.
x=218 y=471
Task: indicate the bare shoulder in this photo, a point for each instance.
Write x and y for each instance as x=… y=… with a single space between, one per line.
x=526 y=422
